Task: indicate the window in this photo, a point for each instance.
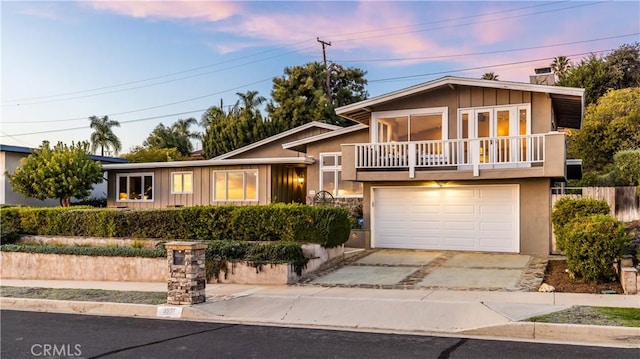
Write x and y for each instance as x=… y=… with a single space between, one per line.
x=134 y=186
x=331 y=177
x=426 y=124
x=181 y=182
x=235 y=185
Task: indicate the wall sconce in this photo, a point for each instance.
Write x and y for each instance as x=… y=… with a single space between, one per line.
x=441 y=183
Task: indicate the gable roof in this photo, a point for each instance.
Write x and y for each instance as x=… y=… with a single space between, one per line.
x=27 y=150
x=276 y=137
x=567 y=102
x=301 y=145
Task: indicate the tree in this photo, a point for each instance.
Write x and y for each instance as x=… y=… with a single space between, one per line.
x=489 y=76
x=300 y=95
x=560 y=66
x=103 y=135
x=597 y=75
x=177 y=136
x=60 y=172
x=153 y=154
x=240 y=125
x=610 y=125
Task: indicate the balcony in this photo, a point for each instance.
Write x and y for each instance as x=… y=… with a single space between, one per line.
x=537 y=155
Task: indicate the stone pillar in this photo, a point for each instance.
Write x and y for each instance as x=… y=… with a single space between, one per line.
x=187 y=273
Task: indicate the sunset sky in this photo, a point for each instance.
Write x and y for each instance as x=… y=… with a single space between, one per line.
x=148 y=62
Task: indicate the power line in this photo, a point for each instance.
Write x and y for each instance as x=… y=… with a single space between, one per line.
x=252 y=55
x=390 y=79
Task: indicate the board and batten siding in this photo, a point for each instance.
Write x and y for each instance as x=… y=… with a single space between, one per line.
x=202 y=187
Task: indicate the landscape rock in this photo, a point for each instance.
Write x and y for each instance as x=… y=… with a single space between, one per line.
x=546 y=288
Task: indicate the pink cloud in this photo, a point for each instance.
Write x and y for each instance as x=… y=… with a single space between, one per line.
x=168 y=10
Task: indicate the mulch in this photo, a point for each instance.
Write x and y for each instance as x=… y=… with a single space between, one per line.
x=556 y=276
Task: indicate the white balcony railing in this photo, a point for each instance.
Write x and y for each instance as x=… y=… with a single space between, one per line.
x=491 y=151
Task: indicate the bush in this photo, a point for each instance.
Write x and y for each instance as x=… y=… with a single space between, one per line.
x=9 y=225
x=87 y=251
x=567 y=209
x=592 y=245
x=626 y=166
x=328 y=226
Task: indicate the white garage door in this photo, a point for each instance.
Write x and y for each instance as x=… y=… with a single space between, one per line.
x=468 y=218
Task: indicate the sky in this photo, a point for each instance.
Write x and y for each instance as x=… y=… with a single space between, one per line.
x=143 y=63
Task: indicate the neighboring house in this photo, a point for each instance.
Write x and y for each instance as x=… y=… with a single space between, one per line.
x=10 y=157
x=451 y=164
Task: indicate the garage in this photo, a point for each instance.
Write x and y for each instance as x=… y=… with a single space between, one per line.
x=462 y=218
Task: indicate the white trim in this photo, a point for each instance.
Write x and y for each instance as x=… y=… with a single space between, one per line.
x=277 y=137
x=135 y=174
x=206 y=163
x=451 y=80
x=226 y=184
x=182 y=173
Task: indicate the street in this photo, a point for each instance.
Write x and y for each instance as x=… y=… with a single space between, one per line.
x=43 y=335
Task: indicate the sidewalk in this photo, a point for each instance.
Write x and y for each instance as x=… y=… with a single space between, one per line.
x=486 y=314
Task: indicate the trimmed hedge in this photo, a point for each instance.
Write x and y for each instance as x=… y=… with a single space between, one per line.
x=592 y=245
x=87 y=251
x=328 y=226
x=567 y=209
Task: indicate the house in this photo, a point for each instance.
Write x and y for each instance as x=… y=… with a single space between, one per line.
x=10 y=157
x=450 y=164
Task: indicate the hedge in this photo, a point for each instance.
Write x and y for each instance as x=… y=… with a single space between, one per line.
x=328 y=226
x=87 y=251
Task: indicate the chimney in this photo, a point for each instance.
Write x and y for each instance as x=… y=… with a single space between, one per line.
x=543 y=76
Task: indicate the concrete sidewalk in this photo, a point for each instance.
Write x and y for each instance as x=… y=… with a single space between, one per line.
x=491 y=314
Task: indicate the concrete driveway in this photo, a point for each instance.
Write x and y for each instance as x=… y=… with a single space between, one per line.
x=413 y=269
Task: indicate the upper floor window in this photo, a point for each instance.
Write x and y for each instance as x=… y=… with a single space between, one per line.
x=425 y=124
x=181 y=182
x=134 y=186
x=331 y=177
x=235 y=185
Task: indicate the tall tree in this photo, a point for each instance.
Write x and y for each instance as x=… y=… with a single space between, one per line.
x=177 y=136
x=611 y=125
x=103 y=135
x=238 y=126
x=300 y=95
x=597 y=75
x=489 y=76
x=560 y=65
x=153 y=154
x=60 y=172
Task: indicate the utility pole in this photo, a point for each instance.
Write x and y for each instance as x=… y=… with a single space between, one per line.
x=324 y=56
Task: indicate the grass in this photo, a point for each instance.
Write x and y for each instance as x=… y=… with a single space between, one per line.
x=85 y=295
x=625 y=317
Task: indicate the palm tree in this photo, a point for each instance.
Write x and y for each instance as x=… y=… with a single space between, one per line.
x=182 y=135
x=103 y=136
x=560 y=66
x=490 y=76
x=250 y=102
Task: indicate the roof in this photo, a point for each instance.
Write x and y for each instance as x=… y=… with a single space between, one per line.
x=567 y=102
x=211 y=162
x=300 y=145
x=27 y=150
x=276 y=137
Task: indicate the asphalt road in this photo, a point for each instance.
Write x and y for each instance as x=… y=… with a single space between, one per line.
x=43 y=335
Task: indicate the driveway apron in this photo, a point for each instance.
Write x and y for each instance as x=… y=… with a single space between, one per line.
x=415 y=269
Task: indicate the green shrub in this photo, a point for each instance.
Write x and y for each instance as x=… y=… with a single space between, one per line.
x=219 y=253
x=592 y=245
x=626 y=167
x=9 y=225
x=87 y=251
x=567 y=209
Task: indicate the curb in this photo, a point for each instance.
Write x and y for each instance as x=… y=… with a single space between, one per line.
x=595 y=335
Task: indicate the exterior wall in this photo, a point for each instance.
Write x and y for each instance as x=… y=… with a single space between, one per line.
x=274 y=149
x=202 y=187
x=465 y=96
x=535 y=213
x=330 y=145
